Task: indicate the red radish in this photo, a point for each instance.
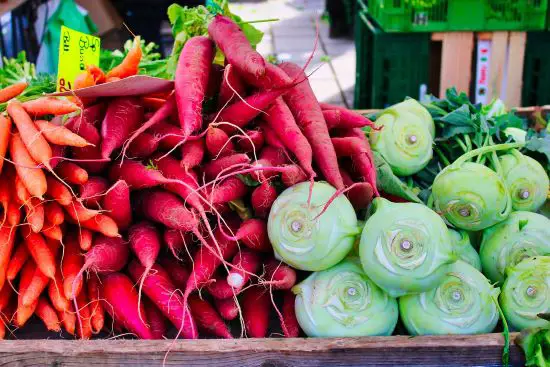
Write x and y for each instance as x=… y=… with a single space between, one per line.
x=214 y=168
x=246 y=264
x=329 y=106
x=218 y=143
x=192 y=153
x=178 y=272
x=271 y=137
x=279 y=275
x=123 y=116
x=116 y=203
x=177 y=241
x=207 y=318
x=228 y=190
x=143 y=146
x=309 y=117
x=231 y=84
x=121 y=302
x=218 y=288
x=256 y=306
x=157 y=322
x=136 y=175
x=293 y=175
x=168 y=135
x=343 y=118
x=262 y=199
x=91 y=191
x=71 y=263
x=58 y=153
x=166 y=208
x=274 y=78
x=274 y=156
x=160 y=289
x=232 y=41
x=253 y=141
x=191 y=81
x=227 y=308
x=360 y=195
x=84 y=128
x=289 y=323
x=253 y=234
x=214 y=81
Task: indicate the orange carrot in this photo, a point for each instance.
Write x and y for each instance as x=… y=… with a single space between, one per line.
x=59 y=192
x=112 y=79
x=5 y=297
x=37 y=284
x=85 y=238
x=23 y=312
x=103 y=224
x=14 y=214
x=71 y=264
x=54 y=213
x=52 y=231
x=49 y=106
x=7 y=239
x=55 y=292
x=38 y=147
x=5 y=193
x=151 y=103
x=12 y=91
x=60 y=135
x=97 y=74
x=72 y=173
x=47 y=314
x=96 y=307
x=35 y=214
x=40 y=252
x=33 y=179
x=84 y=80
x=68 y=319
x=19 y=258
x=5 y=130
x=84 y=316
x=79 y=212
x=21 y=192
x=130 y=64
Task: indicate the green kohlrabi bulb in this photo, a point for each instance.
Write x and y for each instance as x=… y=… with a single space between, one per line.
x=464 y=302
x=526 y=179
x=405 y=137
x=471 y=196
x=522 y=235
x=526 y=293
x=464 y=249
x=405 y=247
x=343 y=302
x=304 y=241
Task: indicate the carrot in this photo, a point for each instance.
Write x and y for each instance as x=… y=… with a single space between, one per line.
x=96 y=306
x=59 y=192
x=35 y=214
x=97 y=74
x=309 y=117
x=6 y=192
x=214 y=168
x=231 y=84
x=71 y=263
x=246 y=263
x=21 y=192
x=116 y=203
x=33 y=179
x=84 y=316
x=227 y=308
x=5 y=130
x=192 y=153
x=23 y=312
x=91 y=191
x=72 y=173
x=130 y=65
x=48 y=315
x=85 y=239
x=191 y=82
x=37 y=284
x=123 y=116
x=218 y=143
x=207 y=318
x=160 y=289
x=49 y=106
x=252 y=141
x=279 y=275
x=178 y=272
x=16 y=262
x=78 y=212
x=56 y=293
x=103 y=224
x=343 y=118
x=40 y=252
x=54 y=213
x=14 y=214
x=6 y=294
x=256 y=306
x=12 y=91
x=293 y=175
x=84 y=80
x=68 y=319
x=52 y=232
x=262 y=199
x=231 y=40
x=157 y=321
x=7 y=240
x=60 y=135
x=228 y=190
x=289 y=323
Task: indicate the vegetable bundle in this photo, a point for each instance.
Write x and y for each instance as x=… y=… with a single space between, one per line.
x=136 y=212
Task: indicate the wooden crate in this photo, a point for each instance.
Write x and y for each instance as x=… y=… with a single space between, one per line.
x=475 y=350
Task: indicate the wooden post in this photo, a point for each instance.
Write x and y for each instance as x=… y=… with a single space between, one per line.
x=456 y=61
x=516 y=56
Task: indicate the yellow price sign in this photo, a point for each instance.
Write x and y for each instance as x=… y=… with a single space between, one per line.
x=77 y=50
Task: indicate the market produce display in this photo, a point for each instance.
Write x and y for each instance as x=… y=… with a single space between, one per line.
x=235 y=204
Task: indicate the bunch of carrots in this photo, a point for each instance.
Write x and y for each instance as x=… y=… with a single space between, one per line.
x=119 y=213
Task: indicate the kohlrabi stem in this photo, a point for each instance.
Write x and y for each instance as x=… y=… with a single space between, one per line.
x=430 y=202
x=462 y=144
x=505 y=333
x=485 y=142
x=468 y=141
x=495 y=160
x=441 y=156
x=487 y=149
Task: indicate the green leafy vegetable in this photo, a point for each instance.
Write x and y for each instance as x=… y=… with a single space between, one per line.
x=535 y=343
x=390 y=183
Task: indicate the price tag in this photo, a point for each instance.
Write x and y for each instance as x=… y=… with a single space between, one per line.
x=77 y=50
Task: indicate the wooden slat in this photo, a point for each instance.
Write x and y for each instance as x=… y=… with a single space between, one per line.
x=6 y=6
x=499 y=46
x=456 y=61
x=516 y=55
x=480 y=350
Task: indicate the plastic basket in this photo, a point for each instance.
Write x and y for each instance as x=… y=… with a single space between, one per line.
x=536 y=70
x=459 y=15
x=389 y=66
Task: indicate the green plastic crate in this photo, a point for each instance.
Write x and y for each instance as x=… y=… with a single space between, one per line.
x=536 y=70
x=390 y=66
x=459 y=15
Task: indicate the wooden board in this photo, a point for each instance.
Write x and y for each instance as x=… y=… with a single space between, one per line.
x=479 y=350
x=456 y=61
x=514 y=80
x=499 y=47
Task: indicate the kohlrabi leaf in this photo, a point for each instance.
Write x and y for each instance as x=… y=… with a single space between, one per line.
x=390 y=183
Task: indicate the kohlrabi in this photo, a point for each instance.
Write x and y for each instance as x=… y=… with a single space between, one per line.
x=526 y=293
x=522 y=235
x=405 y=247
x=464 y=302
x=405 y=137
x=526 y=179
x=464 y=249
x=302 y=238
x=343 y=302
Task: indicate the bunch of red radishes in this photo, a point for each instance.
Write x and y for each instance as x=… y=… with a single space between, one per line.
x=146 y=218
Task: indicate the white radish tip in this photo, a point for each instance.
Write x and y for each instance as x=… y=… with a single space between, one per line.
x=235 y=280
